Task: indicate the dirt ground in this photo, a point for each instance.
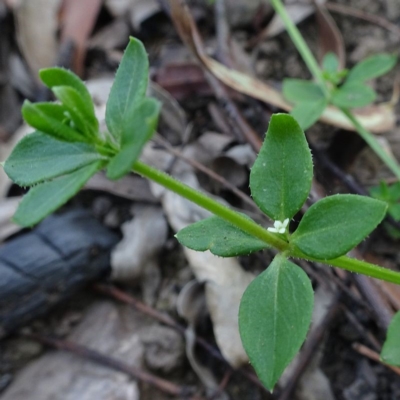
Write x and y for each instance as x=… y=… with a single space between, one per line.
x=213 y=126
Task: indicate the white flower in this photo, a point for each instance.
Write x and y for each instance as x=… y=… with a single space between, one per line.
x=279 y=227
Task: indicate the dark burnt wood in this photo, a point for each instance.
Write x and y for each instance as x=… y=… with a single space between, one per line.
x=49 y=264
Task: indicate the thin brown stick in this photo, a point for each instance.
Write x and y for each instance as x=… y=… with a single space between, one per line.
x=102 y=359
x=373 y=355
x=313 y=340
x=213 y=175
x=375 y=19
x=119 y=295
x=364 y=333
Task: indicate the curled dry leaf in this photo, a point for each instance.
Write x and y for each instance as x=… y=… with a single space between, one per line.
x=7 y=210
x=313 y=384
x=37 y=26
x=297 y=12
x=330 y=38
x=106 y=328
x=377 y=118
x=143 y=238
x=79 y=18
x=192 y=307
x=225 y=280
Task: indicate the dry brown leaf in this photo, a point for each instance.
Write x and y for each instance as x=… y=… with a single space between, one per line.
x=7 y=210
x=79 y=18
x=297 y=12
x=192 y=307
x=107 y=328
x=330 y=39
x=377 y=118
x=225 y=280
x=37 y=26
x=143 y=238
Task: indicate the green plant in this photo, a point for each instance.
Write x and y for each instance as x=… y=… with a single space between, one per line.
x=345 y=89
x=311 y=98
x=391 y=195
x=67 y=149
x=391 y=349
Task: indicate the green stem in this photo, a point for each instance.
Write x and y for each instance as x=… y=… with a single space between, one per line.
x=353 y=265
x=313 y=66
x=300 y=44
x=254 y=229
x=362 y=267
x=373 y=143
x=209 y=204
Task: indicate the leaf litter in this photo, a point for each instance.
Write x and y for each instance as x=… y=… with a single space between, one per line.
x=223 y=281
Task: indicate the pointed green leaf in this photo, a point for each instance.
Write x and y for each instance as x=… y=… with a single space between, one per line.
x=299 y=91
x=85 y=121
x=353 y=95
x=129 y=87
x=47 y=197
x=274 y=318
x=57 y=76
x=330 y=62
x=307 y=113
x=220 y=237
x=372 y=67
x=49 y=118
x=391 y=348
x=138 y=128
x=39 y=157
x=334 y=225
x=280 y=179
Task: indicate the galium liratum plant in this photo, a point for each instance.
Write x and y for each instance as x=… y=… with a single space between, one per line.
x=66 y=149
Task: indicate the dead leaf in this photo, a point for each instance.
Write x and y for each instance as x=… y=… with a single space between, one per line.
x=182 y=80
x=143 y=238
x=191 y=306
x=330 y=39
x=296 y=12
x=107 y=328
x=136 y=10
x=112 y=36
x=142 y=10
x=173 y=122
x=242 y=13
x=377 y=118
x=225 y=280
x=164 y=348
x=37 y=26
x=78 y=21
x=7 y=210
x=313 y=384
x=129 y=187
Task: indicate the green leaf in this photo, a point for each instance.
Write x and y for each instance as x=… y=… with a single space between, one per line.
x=280 y=179
x=353 y=95
x=129 y=87
x=57 y=76
x=307 y=113
x=137 y=130
x=391 y=348
x=334 y=225
x=49 y=118
x=372 y=67
x=220 y=237
x=274 y=318
x=39 y=157
x=47 y=197
x=298 y=90
x=81 y=114
x=330 y=62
